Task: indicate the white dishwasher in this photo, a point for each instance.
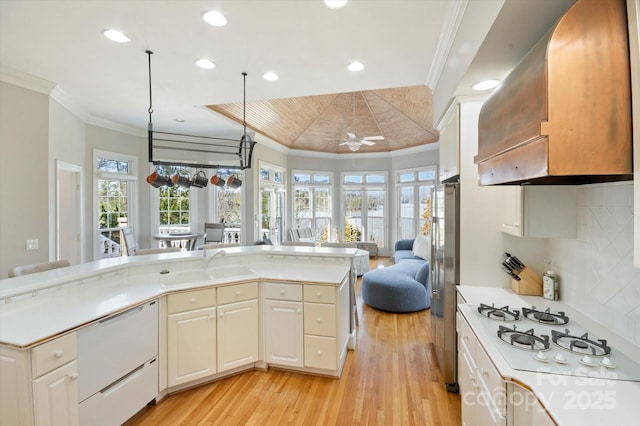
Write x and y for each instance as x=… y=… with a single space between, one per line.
x=117 y=365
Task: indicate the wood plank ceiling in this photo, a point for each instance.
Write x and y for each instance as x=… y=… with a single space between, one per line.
x=320 y=123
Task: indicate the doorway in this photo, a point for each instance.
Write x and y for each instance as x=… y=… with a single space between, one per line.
x=68 y=212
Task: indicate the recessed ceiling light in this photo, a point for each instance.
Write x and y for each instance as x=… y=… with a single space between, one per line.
x=271 y=76
x=214 y=18
x=117 y=36
x=335 y=4
x=485 y=85
x=355 y=66
x=205 y=63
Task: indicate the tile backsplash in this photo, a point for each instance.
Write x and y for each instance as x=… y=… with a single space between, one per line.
x=596 y=269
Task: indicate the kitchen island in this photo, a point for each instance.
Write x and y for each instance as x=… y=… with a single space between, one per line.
x=172 y=321
x=540 y=385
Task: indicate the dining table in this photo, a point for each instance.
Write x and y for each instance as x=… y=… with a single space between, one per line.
x=185 y=240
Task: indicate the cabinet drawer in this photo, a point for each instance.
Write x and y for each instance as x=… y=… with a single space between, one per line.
x=320 y=319
x=319 y=294
x=237 y=293
x=320 y=352
x=489 y=377
x=53 y=354
x=190 y=300
x=279 y=291
x=117 y=402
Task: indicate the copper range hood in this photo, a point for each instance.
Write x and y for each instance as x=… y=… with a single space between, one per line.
x=563 y=115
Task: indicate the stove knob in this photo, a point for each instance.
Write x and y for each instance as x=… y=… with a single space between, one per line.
x=586 y=360
x=542 y=357
x=560 y=359
x=606 y=362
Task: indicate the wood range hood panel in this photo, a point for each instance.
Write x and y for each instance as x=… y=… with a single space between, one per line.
x=563 y=115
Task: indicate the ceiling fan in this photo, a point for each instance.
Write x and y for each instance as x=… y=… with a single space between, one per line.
x=354 y=142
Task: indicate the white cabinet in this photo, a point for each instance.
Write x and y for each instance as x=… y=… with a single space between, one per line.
x=326 y=313
x=539 y=211
x=524 y=408
x=237 y=325
x=482 y=390
x=283 y=324
x=450 y=142
x=15 y=389
x=55 y=397
x=191 y=336
x=40 y=386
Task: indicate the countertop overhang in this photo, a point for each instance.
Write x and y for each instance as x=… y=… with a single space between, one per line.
x=35 y=308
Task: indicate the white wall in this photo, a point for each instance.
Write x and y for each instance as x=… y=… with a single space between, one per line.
x=24 y=176
x=596 y=271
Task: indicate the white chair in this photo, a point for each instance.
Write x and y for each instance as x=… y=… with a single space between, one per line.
x=214 y=233
x=37 y=267
x=128 y=246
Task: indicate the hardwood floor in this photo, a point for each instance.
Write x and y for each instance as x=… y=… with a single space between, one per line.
x=390 y=379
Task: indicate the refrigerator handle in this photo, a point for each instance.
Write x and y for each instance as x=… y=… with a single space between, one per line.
x=434 y=253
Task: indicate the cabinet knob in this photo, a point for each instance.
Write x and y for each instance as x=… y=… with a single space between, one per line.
x=318 y=295
x=319 y=353
x=212 y=316
x=74 y=376
x=220 y=314
x=484 y=372
x=299 y=311
x=58 y=354
x=282 y=291
x=238 y=293
x=318 y=320
x=192 y=300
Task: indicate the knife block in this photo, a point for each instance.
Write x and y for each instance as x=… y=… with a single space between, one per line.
x=530 y=283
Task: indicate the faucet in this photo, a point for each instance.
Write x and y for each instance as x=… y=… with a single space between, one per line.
x=207 y=259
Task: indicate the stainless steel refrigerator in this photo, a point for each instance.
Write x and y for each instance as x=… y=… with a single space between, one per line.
x=445 y=276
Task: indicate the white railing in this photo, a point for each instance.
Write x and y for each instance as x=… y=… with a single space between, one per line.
x=108 y=248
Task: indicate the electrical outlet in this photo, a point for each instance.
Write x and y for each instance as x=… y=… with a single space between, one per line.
x=32 y=244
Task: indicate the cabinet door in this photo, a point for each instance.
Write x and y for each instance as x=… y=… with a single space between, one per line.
x=450 y=144
x=55 y=397
x=15 y=388
x=511 y=210
x=283 y=332
x=191 y=345
x=237 y=334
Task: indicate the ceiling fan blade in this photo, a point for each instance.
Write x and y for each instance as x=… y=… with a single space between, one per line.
x=366 y=142
x=373 y=138
x=344 y=143
x=351 y=135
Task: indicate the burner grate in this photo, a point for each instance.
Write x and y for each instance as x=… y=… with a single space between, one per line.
x=499 y=314
x=526 y=340
x=580 y=344
x=545 y=317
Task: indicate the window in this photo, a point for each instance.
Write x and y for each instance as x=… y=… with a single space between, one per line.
x=114 y=181
x=272 y=199
x=364 y=207
x=414 y=201
x=228 y=203
x=312 y=202
x=173 y=203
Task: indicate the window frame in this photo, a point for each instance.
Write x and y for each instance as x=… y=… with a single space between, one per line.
x=130 y=177
x=312 y=186
x=416 y=184
x=366 y=187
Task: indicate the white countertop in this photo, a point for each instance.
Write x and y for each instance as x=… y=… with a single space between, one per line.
x=38 y=307
x=569 y=400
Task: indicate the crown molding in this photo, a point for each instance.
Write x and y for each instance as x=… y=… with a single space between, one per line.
x=447 y=38
x=26 y=81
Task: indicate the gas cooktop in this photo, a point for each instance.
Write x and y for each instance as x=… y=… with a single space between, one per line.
x=544 y=341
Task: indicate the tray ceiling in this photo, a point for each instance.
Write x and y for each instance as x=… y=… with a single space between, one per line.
x=319 y=123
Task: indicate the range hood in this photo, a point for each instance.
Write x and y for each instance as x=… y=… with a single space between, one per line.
x=563 y=115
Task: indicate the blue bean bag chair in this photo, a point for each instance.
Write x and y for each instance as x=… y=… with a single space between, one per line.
x=402 y=287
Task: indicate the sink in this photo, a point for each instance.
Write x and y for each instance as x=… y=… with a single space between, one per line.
x=184 y=277
x=230 y=271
